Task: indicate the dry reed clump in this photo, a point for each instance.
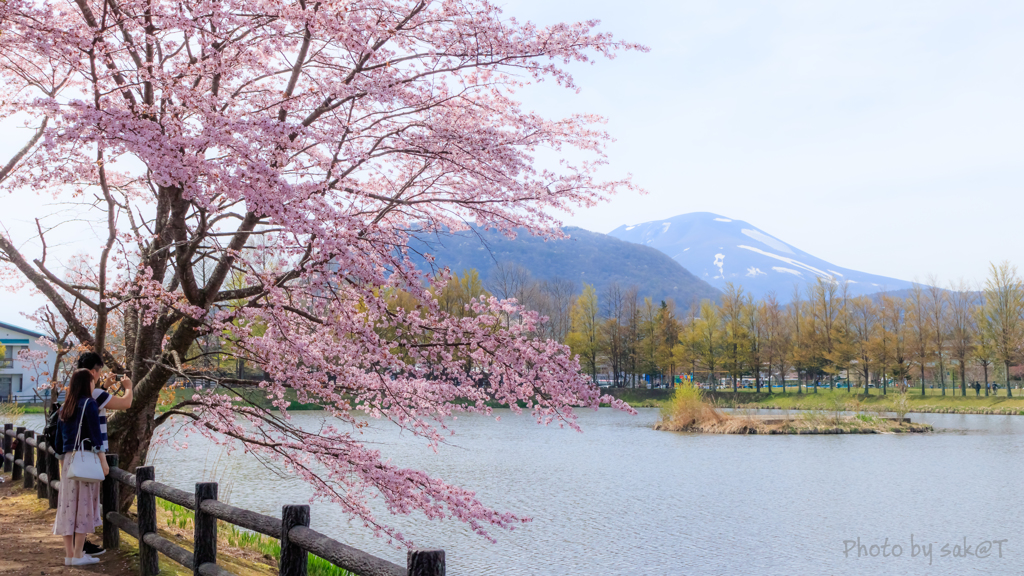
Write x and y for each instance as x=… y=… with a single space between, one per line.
x=687 y=410
x=11 y=412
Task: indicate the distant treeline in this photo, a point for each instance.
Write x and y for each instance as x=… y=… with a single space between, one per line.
x=929 y=336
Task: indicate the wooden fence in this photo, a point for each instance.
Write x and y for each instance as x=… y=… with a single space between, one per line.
x=29 y=459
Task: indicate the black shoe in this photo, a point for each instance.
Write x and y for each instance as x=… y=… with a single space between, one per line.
x=92 y=549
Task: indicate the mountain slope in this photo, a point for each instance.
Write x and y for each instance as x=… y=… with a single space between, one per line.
x=590 y=257
x=719 y=250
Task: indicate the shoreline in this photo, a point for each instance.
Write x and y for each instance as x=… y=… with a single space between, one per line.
x=826 y=400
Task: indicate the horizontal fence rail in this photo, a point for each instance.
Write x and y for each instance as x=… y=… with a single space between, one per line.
x=31 y=460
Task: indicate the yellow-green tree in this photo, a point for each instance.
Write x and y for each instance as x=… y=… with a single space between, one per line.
x=882 y=346
x=736 y=344
x=809 y=345
x=938 y=302
x=963 y=329
x=984 y=348
x=863 y=316
x=456 y=296
x=830 y=342
x=894 y=318
x=687 y=350
x=614 y=333
x=778 y=340
x=755 y=322
x=667 y=335
x=231 y=357
x=919 y=321
x=584 y=338
x=648 y=344
x=709 y=338
x=1003 y=314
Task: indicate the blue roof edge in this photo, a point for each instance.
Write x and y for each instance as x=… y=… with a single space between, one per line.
x=22 y=330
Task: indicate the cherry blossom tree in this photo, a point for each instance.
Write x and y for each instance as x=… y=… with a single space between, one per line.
x=258 y=169
x=58 y=337
x=35 y=362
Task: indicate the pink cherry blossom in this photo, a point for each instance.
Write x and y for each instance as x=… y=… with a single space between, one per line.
x=257 y=169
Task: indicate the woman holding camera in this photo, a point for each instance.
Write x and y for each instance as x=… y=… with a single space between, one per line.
x=78 y=503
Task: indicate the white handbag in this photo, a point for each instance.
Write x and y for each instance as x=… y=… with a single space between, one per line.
x=83 y=465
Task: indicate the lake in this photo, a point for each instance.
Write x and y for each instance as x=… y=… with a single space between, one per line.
x=623 y=499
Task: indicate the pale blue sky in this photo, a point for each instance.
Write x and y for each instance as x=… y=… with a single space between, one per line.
x=886 y=137
x=881 y=136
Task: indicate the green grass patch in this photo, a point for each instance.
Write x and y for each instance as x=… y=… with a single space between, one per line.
x=184 y=519
x=826 y=400
x=315 y=565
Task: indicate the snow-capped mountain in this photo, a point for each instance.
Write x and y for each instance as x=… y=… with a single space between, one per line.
x=717 y=250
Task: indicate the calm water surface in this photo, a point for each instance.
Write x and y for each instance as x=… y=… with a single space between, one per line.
x=622 y=499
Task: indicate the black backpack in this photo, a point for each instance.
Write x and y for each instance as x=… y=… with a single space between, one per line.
x=50 y=431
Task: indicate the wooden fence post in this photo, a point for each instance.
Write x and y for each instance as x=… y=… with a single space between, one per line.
x=41 y=459
x=109 y=498
x=425 y=562
x=28 y=458
x=145 y=503
x=294 y=560
x=8 y=464
x=206 y=528
x=52 y=475
x=19 y=454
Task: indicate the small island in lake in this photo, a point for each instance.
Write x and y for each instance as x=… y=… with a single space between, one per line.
x=688 y=412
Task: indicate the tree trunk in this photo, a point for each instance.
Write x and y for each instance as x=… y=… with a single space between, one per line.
x=1009 y=394
x=130 y=434
x=963 y=381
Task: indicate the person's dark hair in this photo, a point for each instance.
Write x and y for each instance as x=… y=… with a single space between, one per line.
x=89 y=360
x=78 y=388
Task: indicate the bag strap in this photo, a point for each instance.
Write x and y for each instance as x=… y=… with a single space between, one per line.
x=81 y=419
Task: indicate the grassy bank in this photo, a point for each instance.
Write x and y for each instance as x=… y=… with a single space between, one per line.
x=933 y=402
x=640 y=397
x=922 y=404
x=253 y=395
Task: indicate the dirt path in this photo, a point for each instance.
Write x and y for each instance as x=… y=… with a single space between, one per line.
x=27 y=544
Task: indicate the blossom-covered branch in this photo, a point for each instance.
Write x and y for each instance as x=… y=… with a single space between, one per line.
x=259 y=170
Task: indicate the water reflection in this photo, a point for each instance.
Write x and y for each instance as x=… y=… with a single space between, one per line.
x=623 y=499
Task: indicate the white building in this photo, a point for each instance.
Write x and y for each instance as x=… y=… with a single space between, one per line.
x=18 y=380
